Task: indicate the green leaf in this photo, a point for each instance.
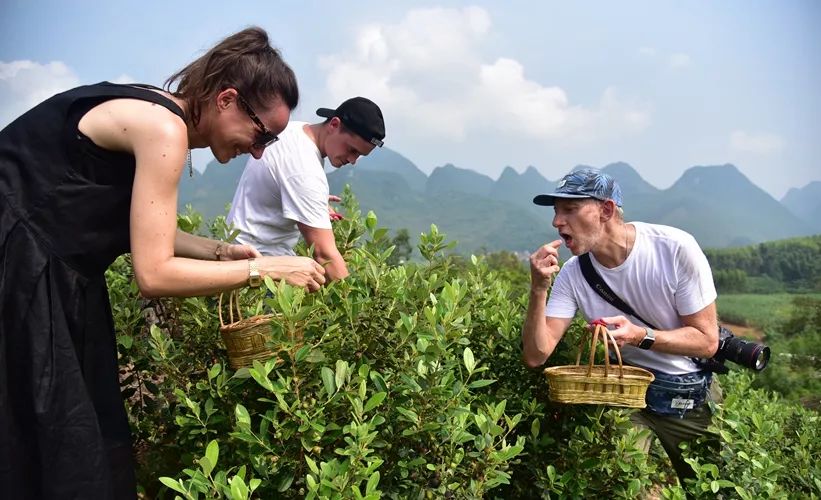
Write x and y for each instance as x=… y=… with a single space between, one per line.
x=261 y=378
x=370 y=220
x=173 y=484
x=480 y=383
x=341 y=373
x=302 y=353
x=312 y=465
x=206 y=465
x=254 y=484
x=239 y=490
x=242 y=416
x=212 y=451
x=467 y=356
x=311 y=482
x=374 y=401
x=285 y=482
x=328 y=381
x=373 y=482
x=125 y=340
x=378 y=381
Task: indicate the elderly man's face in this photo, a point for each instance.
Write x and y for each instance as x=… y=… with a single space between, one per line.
x=579 y=222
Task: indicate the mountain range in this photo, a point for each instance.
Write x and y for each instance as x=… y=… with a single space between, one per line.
x=717 y=204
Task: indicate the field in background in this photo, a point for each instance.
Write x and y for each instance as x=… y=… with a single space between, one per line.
x=757 y=311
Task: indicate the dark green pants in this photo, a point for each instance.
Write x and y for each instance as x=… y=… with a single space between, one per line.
x=672 y=430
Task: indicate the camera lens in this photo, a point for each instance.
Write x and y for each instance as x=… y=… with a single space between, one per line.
x=747 y=353
x=762 y=358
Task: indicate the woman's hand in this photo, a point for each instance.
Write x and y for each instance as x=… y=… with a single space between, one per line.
x=297 y=271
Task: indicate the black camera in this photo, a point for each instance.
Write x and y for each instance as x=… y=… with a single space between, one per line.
x=743 y=352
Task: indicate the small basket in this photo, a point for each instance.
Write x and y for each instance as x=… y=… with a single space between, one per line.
x=245 y=339
x=599 y=384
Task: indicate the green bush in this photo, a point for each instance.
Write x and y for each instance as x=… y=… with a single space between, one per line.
x=770 y=448
x=401 y=381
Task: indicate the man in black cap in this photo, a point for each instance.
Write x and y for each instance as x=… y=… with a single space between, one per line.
x=285 y=193
x=662 y=276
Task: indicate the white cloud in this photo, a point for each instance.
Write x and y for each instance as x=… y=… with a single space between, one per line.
x=24 y=84
x=647 y=51
x=756 y=143
x=679 y=60
x=429 y=71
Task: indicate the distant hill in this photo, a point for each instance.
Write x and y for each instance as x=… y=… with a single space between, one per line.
x=805 y=203
x=450 y=179
x=631 y=183
x=520 y=189
x=717 y=204
x=720 y=207
x=210 y=191
x=388 y=160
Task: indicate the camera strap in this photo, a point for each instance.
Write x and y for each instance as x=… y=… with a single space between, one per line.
x=667 y=394
x=598 y=285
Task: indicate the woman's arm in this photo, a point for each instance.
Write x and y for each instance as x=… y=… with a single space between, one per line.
x=158 y=140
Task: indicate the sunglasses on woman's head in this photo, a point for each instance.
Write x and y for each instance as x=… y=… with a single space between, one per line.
x=264 y=136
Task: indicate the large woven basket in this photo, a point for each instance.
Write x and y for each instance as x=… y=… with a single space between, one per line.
x=599 y=384
x=245 y=338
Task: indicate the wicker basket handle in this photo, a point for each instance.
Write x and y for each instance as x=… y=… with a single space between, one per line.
x=233 y=304
x=607 y=338
x=618 y=352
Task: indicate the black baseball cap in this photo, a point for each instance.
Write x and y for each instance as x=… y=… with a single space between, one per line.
x=361 y=116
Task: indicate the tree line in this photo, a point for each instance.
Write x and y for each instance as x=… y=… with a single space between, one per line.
x=792 y=265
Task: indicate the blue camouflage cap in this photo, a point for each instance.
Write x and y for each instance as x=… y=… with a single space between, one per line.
x=583 y=183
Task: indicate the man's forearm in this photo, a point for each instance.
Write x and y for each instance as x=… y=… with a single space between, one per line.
x=195 y=247
x=536 y=342
x=324 y=251
x=335 y=267
x=686 y=341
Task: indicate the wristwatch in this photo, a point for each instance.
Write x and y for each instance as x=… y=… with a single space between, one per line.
x=254 y=278
x=648 y=340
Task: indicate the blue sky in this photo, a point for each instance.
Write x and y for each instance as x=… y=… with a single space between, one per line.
x=660 y=85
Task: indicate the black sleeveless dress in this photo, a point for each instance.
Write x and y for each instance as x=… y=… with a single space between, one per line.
x=64 y=218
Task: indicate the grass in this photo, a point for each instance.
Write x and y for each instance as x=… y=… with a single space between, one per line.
x=758 y=311
x=792 y=334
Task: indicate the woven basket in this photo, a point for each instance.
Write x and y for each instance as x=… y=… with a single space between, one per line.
x=246 y=338
x=599 y=384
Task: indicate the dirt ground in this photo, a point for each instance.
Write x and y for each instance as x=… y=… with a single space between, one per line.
x=745 y=331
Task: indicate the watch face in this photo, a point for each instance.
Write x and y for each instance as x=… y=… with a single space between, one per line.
x=254 y=279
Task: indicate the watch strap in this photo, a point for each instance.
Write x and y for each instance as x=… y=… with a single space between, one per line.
x=648 y=340
x=254 y=278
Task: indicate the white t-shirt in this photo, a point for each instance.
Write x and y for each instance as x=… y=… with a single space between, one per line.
x=287 y=185
x=666 y=275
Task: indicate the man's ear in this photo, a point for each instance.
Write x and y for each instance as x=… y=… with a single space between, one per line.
x=608 y=210
x=335 y=123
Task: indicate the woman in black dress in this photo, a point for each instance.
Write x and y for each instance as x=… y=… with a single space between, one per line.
x=88 y=175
